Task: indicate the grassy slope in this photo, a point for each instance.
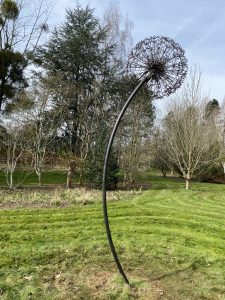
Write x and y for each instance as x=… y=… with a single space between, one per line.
x=48 y=177
x=171 y=243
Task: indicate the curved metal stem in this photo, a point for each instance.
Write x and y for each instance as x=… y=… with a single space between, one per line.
x=104 y=202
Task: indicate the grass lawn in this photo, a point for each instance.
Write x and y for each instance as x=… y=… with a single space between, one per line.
x=48 y=177
x=171 y=243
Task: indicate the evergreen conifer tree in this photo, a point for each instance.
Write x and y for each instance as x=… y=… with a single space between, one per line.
x=95 y=163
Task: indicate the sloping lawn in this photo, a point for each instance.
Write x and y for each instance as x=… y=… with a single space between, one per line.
x=171 y=243
x=26 y=178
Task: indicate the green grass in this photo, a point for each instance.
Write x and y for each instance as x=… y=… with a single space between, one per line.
x=171 y=243
x=48 y=177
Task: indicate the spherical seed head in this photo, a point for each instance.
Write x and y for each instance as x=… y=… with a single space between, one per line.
x=161 y=61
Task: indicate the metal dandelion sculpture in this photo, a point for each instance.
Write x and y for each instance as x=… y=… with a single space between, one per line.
x=159 y=62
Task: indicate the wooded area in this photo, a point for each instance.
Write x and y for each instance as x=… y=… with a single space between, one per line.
x=61 y=91
x=62 y=100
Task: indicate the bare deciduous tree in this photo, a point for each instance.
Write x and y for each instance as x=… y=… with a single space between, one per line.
x=42 y=121
x=220 y=122
x=133 y=136
x=119 y=31
x=14 y=142
x=190 y=142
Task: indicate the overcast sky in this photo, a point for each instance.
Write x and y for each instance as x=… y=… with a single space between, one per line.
x=197 y=25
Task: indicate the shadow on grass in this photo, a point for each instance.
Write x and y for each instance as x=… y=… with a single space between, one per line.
x=174 y=273
x=194 y=266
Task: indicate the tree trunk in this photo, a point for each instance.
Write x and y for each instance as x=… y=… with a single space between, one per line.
x=39 y=178
x=187 y=183
x=3 y=79
x=163 y=170
x=124 y=179
x=11 y=181
x=70 y=174
x=81 y=177
x=223 y=168
x=131 y=178
x=52 y=162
